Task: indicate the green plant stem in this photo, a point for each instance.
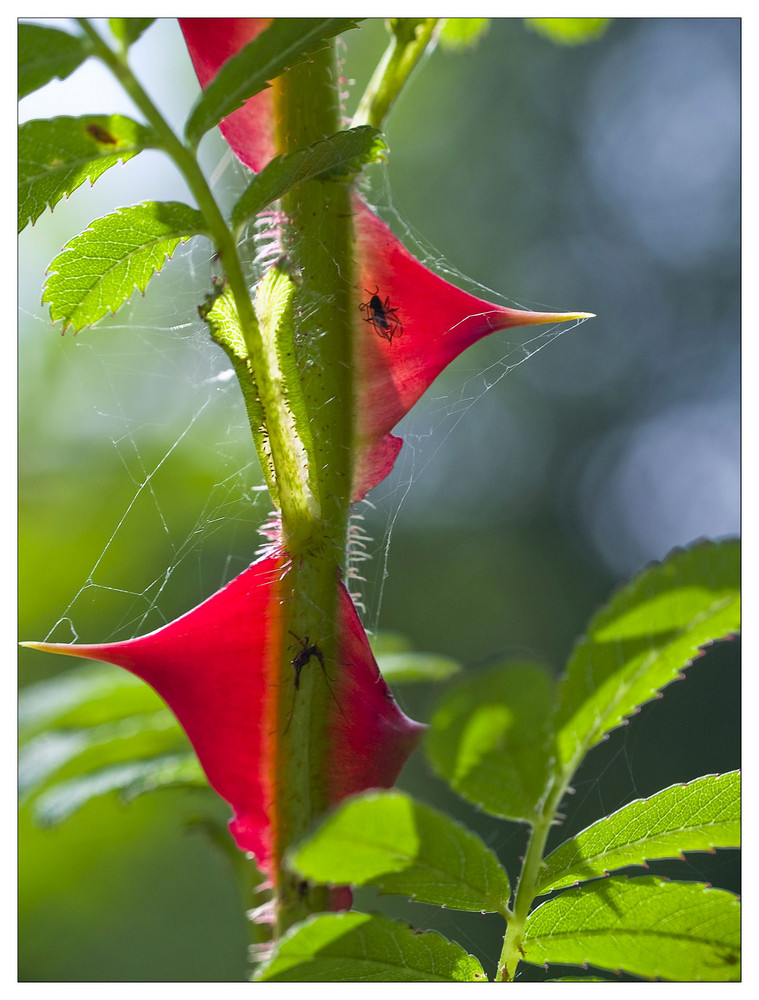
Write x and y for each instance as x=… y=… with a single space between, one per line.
x=511 y=953
x=407 y=46
x=313 y=483
x=297 y=496
x=318 y=235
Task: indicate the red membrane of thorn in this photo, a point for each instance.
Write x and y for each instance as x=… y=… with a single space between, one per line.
x=409 y=325
x=216 y=668
x=211 y=41
x=409 y=322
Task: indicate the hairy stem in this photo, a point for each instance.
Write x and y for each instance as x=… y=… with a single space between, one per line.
x=318 y=236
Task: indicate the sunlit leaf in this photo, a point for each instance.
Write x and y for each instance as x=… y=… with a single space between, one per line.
x=400 y=664
x=569 y=30
x=56 y=156
x=389 y=840
x=358 y=948
x=98 y=270
x=491 y=739
x=45 y=54
x=407 y=668
x=699 y=816
x=287 y=42
x=650 y=630
x=340 y=155
x=463 y=32
x=682 y=931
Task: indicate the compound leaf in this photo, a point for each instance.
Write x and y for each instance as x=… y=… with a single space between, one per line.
x=285 y=43
x=491 y=739
x=56 y=156
x=699 y=816
x=386 y=839
x=46 y=53
x=338 y=156
x=639 y=643
x=358 y=948
x=98 y=270
x=682 y=931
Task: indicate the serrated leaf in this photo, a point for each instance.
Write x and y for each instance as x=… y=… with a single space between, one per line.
x=131 y=779
x=129 y=29
x=87 y=696
x=682 y=931
x=99 y=269
x=387 y=839
x=638 y=643
x=70 y=752
x=56 y=156
x=45 y=54
x=287 y=42
x=491 y=739
x=358 y=948
x=341 y=155
x=569 y=30
x=699 y=816
x=463 y=32
x=408 y=668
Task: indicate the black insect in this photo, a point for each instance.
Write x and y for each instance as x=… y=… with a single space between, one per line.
x=308 y=649
x=382 y=317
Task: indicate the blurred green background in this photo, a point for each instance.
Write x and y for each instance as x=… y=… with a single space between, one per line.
x=602 y=178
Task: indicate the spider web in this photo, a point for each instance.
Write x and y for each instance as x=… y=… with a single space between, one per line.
x=440 y=434
x=150 y=381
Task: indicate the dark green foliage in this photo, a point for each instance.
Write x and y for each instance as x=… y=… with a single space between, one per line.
x=45 y=54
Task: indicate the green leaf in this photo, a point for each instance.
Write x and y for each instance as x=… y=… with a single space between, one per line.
x=132 y=778
x=56 y=156
x=682 y=931
x=86 y=696
x=95 y=729
x=339 y=156
x=46 y=53
x=68 y=752
x=463 y=32
x=358 y=948
x=388 y=840
x=408 y=668
x=491 y=739
x=401 y=665
x=569 y=30
x=287 y=42
x=644 y=637
x=699 y=816
x=128 y=29
x=99 y=269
